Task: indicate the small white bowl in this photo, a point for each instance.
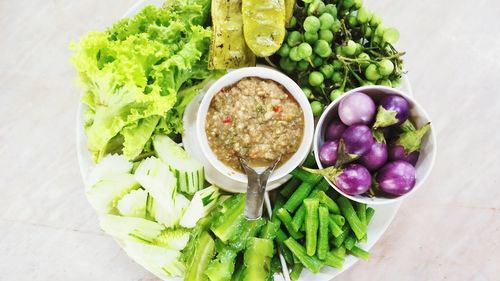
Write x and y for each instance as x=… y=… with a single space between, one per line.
x=417 y=115
x=265 y=73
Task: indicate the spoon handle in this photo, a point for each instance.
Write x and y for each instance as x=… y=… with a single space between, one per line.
x=256 y=188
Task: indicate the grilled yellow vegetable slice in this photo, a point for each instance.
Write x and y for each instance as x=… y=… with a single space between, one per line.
x=289 y=6
x=263 y=25
x=228 y=48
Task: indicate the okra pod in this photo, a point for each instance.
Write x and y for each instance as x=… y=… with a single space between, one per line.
x=369 y=214
x=281 y=235
x=280 y=201
x=290 y=187
x=305 y=176
x=324 y=221
x=339 y=252
x=338 y=219
x=296 y=271
x=334 y=227
x=349 y=214
x=286 y=219
x=338 y=241
x=361 y=212
x=323 y=185
x=328 y=202
x=298 y=196
x=298 y=218
x=286 y=252
x=333 y=261
x=360 y=253
x=311 y=223
x=312 y=263
x=349 y=242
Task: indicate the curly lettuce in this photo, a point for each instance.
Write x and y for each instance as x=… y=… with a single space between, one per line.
x=140 y=73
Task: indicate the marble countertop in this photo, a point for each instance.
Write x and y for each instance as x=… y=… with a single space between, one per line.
x=449 y=230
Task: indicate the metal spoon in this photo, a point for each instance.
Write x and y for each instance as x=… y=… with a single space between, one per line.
x=256 y=188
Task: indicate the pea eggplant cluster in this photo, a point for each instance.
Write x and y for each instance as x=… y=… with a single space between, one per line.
x=372 y=147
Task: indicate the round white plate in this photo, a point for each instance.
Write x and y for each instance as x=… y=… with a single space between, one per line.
x=383 y=214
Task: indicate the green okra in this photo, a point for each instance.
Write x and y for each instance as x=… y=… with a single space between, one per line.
x=334 y=227
x=286 y=219
x=305 y=176
x=296 y=271
x=338 y=219
x=298 y=196
x=290 y=187
x=324 y=221
x=360 y=253
x=312 y=263
x=349 y=214
x=311 y=223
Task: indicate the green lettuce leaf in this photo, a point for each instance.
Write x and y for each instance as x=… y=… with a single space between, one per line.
x=134 y=74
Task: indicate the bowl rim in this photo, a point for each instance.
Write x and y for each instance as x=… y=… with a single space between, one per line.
x=264 y=73
x=383 y=90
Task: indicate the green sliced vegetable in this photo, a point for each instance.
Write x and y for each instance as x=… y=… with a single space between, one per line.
x=229 y=217
x=188 y=171
x=203 y=253
x=334 y=228
x=348 y=212
x=312 y=223
x=286 y=219
x=257 y=259
x=296 y=271
x=290 y=187
x=360 y=253
x=228 y=48
x=222 y=267
x=133 y=204
x=333 y=261
x=324 y=222
x=312 y=263
x=263 y=25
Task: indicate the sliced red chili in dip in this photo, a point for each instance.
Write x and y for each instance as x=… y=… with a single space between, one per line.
x=256 y=119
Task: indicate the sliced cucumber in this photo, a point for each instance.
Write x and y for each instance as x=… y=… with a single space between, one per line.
x=188 y=171
x=125 y=228
x=133 y=204
x=105 y=194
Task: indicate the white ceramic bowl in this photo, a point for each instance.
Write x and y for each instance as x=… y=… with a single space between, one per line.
x=265 y=73
x=419 y=117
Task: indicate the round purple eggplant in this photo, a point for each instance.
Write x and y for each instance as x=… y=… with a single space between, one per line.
x=353 y=179
x=376 y=157
x=334 y=130
x=356 y=108
x=398 y=152
x=328 y=153
x=396 y=178
x=358 y=139
x=407 y=145
x=392 y=110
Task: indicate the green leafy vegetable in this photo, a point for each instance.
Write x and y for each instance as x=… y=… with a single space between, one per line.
x=140 y=74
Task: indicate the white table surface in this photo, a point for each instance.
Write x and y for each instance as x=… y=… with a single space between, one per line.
x=450 y=229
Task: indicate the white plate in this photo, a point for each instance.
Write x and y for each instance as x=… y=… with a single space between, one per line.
x=380 y=222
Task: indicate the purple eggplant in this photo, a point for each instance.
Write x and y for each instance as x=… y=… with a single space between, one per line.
x=392 y=110
x=334 y=130
x=356 y=108
x=396 y=178
x=397 y=152
x=407 y=146
x=358 y=139
x=328 y=153
x=353 y=179
x=376 y=157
